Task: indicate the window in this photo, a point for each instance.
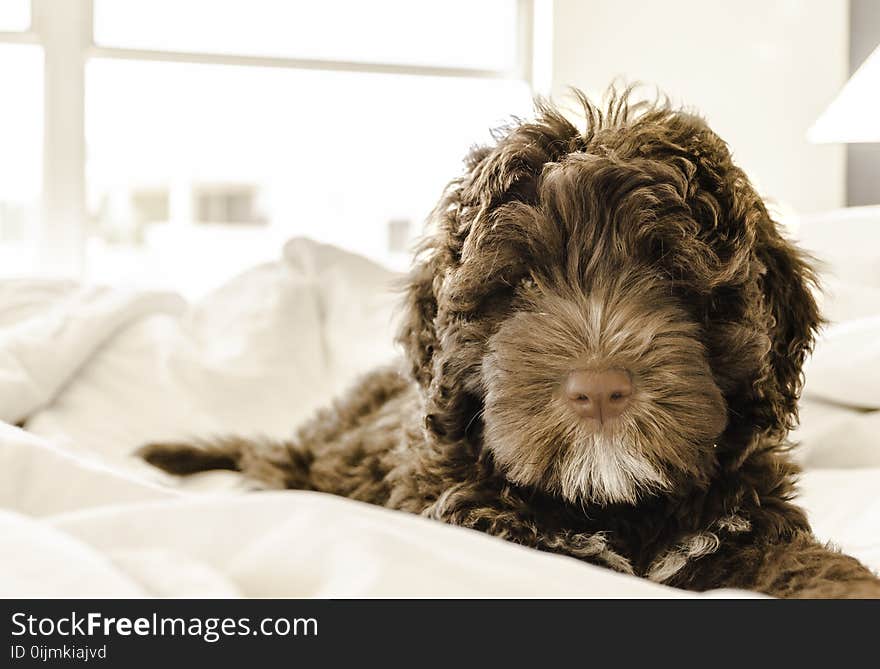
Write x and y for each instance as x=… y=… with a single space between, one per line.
x=399 y=32
x=219 y=128
x=228 y=203
x=15 y=15
x=21 y=149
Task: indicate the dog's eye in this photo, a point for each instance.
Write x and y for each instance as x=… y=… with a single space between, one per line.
x=528 y=283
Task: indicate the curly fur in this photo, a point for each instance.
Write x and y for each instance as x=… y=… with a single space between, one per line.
x=634 y=243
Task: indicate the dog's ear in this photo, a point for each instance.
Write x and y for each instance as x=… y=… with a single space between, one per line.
x=469 y=257
x=763 y=311
x=431 y=326
x=440 y=336
x=770 y=319
x=438 y=254
x=785 y=277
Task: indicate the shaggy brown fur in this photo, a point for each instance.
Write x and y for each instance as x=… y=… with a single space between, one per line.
x=634 y=245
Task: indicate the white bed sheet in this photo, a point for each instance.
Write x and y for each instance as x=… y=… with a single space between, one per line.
x=81 y=517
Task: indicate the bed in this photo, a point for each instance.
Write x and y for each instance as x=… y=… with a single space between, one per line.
x=88 y=374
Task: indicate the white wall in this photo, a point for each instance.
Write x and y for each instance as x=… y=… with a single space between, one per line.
x=760 y=71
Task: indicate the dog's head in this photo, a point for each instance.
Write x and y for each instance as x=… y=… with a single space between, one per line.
x=608 y=312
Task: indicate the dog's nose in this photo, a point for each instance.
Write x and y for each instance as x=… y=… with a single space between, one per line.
x=602 y=395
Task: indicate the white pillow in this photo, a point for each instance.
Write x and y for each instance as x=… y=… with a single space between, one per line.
x=845 y=365
x=831 y=436
x=846 y=243
x=842 y=301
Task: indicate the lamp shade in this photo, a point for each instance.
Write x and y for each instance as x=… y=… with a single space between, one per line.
x=854 y=115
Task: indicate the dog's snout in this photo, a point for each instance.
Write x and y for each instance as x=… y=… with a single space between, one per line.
x=601 y=395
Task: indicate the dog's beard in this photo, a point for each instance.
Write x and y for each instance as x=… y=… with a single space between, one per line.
x=604 y=466
x=606 y=469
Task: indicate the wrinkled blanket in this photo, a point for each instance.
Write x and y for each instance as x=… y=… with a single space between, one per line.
x=93 y=373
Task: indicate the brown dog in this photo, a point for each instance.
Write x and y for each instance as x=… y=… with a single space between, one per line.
x=604 y=335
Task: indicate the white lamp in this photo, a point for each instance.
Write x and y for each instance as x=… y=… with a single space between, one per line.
x=854 y=115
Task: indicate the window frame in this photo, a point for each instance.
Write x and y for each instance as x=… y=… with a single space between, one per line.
x=64 y=30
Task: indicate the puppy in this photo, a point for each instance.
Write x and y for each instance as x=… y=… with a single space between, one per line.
x=603 y=337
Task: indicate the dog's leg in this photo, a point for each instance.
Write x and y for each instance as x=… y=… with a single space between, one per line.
x=798 y=568
x=183 y=458
x=340 y=450
x=268 y=463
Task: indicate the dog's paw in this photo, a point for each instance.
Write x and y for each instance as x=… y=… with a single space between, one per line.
x=182 y=458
